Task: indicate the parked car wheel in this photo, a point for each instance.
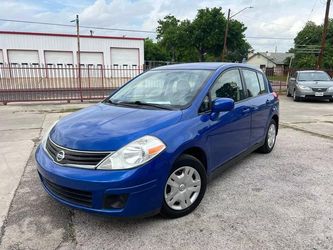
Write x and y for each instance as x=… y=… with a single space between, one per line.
x=295 y=97
x=270 y=138
x=185 y=187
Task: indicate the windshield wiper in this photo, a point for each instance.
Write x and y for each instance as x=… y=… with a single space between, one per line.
x=139 y=103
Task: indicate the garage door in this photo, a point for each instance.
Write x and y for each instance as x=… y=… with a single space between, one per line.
x=1 y=57
x=23 y=57
x=59 y=58
x=124 y=57
x=91 y=58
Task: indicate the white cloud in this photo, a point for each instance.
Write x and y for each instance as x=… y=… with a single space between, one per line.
x=272 y=18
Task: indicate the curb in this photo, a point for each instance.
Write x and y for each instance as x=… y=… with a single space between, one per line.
x=295 y=127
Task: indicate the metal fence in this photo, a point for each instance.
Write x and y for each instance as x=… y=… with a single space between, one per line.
x=25 y=83
x=19 y=83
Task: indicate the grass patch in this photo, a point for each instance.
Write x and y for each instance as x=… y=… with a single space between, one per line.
x=277 y=78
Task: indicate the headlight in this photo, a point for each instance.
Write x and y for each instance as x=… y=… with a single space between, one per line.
x=330 y=88
x=304 y=87
x=46 y=134
x=134 y=154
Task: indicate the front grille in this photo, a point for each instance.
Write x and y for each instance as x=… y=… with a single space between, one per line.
x=67 y=156
x=319 y=89
x=79 y=197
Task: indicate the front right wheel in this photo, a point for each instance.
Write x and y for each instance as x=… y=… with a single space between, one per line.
x=185 y=187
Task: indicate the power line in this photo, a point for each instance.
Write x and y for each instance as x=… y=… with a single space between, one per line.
x=82 y=26
x=121 y=29
x=269 y=38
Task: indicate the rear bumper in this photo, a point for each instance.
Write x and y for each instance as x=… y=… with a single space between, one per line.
x=88 y=190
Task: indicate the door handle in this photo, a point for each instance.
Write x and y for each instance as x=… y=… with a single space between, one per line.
x=246 y=110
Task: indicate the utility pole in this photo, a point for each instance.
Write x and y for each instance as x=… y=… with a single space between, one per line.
x=323 y=38
x=224 y=51
x=76 y=20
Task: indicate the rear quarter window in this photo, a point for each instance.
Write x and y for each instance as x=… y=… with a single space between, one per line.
x=252 y=82
x=262 y=84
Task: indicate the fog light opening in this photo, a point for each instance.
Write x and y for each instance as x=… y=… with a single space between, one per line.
x=115 y=201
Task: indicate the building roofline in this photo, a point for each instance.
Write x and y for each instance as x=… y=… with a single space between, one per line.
x=67 y=35
x=262 y=54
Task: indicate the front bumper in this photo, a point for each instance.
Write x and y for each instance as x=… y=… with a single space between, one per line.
x=87 y=189
x=310 y=94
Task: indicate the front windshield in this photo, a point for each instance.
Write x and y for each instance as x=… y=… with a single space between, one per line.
x=164 y=88
x=313 y=76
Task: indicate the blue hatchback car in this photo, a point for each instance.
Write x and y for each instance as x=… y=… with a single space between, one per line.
x=152 y=145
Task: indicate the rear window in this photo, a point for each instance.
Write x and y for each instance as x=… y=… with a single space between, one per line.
x=313 y=76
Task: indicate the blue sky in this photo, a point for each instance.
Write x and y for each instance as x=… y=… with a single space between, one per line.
x=268 y=18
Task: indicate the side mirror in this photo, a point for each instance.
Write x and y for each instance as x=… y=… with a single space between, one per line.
x=223 y=105
x=292 y=79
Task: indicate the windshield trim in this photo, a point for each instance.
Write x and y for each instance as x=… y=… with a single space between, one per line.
x=173 y=107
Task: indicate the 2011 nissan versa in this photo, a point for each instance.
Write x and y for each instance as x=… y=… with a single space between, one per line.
x=151 y=146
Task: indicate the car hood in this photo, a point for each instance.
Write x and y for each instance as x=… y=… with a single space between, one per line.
x=316 y=84
x=105 y=127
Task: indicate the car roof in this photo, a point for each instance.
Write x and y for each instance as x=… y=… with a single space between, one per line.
x=205 y=65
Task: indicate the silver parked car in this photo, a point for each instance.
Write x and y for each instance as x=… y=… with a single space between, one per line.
x=308 y=84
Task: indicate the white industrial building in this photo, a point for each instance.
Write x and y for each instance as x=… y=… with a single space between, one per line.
x=30 y=48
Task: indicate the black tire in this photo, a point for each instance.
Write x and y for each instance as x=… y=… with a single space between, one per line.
x=265 y=149
x=331 y=100
x=295 y=97
x=182 y=161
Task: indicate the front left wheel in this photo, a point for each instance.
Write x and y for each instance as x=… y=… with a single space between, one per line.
x=185 y=187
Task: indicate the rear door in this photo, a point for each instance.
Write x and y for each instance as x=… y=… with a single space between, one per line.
x=229 y=134
x=261 y=102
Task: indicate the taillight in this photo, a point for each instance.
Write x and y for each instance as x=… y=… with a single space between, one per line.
x=275 y=95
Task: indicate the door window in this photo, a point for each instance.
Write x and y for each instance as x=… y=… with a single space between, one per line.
x=262 y=83
x=229 y=84
x=252 y=83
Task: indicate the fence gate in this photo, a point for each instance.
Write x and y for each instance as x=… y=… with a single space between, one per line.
x=24 y=83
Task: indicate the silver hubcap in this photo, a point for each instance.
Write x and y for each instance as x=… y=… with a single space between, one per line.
x=182 y=188
x=271 y=136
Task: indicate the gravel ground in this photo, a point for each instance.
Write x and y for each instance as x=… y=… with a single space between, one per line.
x=283 y=200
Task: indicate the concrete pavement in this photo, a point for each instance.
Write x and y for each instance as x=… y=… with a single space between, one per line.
x=312 y=116
x=276 y=201
x=21 y=127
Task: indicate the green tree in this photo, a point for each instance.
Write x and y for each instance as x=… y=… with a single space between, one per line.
x=202 y=39
x=307 y=45
x=154 y=51
x=168 y=34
